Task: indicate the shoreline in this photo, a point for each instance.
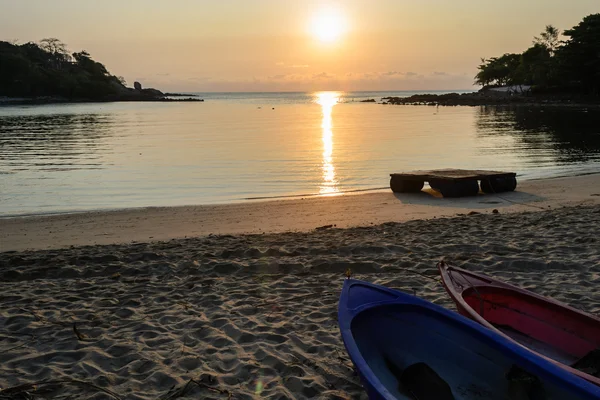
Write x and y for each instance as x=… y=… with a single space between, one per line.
x=483 y=99
x=41 y=102
x=272 y=216
x=468 y=99
x=245 y=200
x=256 y=199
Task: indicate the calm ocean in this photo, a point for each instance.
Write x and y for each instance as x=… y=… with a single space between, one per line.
x=239 y=146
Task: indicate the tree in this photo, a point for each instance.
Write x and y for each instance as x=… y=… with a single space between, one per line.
x=57 y=49
x=548 y=39
x=43 y=69
x=53 y=46
x=498 y=70
x=84 y=60
x=536 y=67
x=81 y=55
x=580 y=55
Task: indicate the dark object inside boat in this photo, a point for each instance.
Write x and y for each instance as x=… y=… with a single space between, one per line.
x=421 y=381
x=524 y=385
x=590 y=363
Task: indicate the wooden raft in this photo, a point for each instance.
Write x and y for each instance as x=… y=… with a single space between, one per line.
x=454 y=182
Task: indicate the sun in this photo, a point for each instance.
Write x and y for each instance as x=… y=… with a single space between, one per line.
x=328 y=26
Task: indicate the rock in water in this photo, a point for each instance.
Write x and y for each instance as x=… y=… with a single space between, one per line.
x=137 y=86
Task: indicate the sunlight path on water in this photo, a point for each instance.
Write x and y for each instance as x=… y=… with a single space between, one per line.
x=327 y=100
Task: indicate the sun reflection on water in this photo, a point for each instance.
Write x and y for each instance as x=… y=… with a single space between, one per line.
x=327 y=100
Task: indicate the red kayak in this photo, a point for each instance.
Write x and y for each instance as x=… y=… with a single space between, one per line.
x=568 y=337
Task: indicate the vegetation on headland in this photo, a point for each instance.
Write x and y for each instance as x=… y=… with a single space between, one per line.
x=550 y=71
x=47 y=72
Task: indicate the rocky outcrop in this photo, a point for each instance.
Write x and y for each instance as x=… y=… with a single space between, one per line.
x=137 y=86
x=482 y=98
x=152 y=92
x=181 y=95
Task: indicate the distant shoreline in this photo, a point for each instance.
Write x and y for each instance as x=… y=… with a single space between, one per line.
x=485 y=99
x=53 y=100
x=181 y=95
x=472 y=99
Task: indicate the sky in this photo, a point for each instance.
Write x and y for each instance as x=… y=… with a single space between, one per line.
x=291 y=45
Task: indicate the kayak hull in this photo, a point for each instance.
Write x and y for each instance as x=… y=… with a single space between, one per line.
x=385 y=331
x=551 y=329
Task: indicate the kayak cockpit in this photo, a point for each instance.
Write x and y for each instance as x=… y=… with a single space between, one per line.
x=394 y=337
x=546 y=328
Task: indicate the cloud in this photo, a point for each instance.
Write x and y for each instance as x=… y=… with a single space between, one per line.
x=198 y=79
x=282 y=64
x=322 y=75
x=302 y=80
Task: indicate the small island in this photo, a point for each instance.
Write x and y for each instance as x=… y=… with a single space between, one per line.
x=45 y=72
x=551 y=71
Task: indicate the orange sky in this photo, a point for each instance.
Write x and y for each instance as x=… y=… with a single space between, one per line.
x=271 y=45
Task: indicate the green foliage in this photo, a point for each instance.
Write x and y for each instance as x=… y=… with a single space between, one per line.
x=569 y=66
x=47 y=69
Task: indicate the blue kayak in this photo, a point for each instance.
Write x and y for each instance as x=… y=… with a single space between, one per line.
x=404 y=348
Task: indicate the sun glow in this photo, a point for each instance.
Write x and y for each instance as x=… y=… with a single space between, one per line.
x=328 y=26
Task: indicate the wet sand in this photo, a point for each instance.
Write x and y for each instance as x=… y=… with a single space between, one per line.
x=305 y=214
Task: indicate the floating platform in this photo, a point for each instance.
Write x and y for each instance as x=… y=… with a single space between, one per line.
x=454 y=182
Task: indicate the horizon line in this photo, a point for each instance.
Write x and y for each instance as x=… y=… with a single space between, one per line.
x=317 y=91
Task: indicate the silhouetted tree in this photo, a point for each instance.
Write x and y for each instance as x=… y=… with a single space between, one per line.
x=46 y=69
x=57 y=48
x=548 y=39
x=580 y=55
x=572 y=66
x=498 y=70
x=536 y=66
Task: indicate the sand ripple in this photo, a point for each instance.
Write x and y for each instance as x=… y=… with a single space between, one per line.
x=256 y=314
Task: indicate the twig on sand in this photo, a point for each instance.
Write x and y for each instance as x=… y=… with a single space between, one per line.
x=182 y=391
x=9 y=392
x=80 y=336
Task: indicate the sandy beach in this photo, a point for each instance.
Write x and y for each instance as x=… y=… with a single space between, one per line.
x=240 y=301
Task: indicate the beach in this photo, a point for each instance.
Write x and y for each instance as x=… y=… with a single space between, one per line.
x=240 y=301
